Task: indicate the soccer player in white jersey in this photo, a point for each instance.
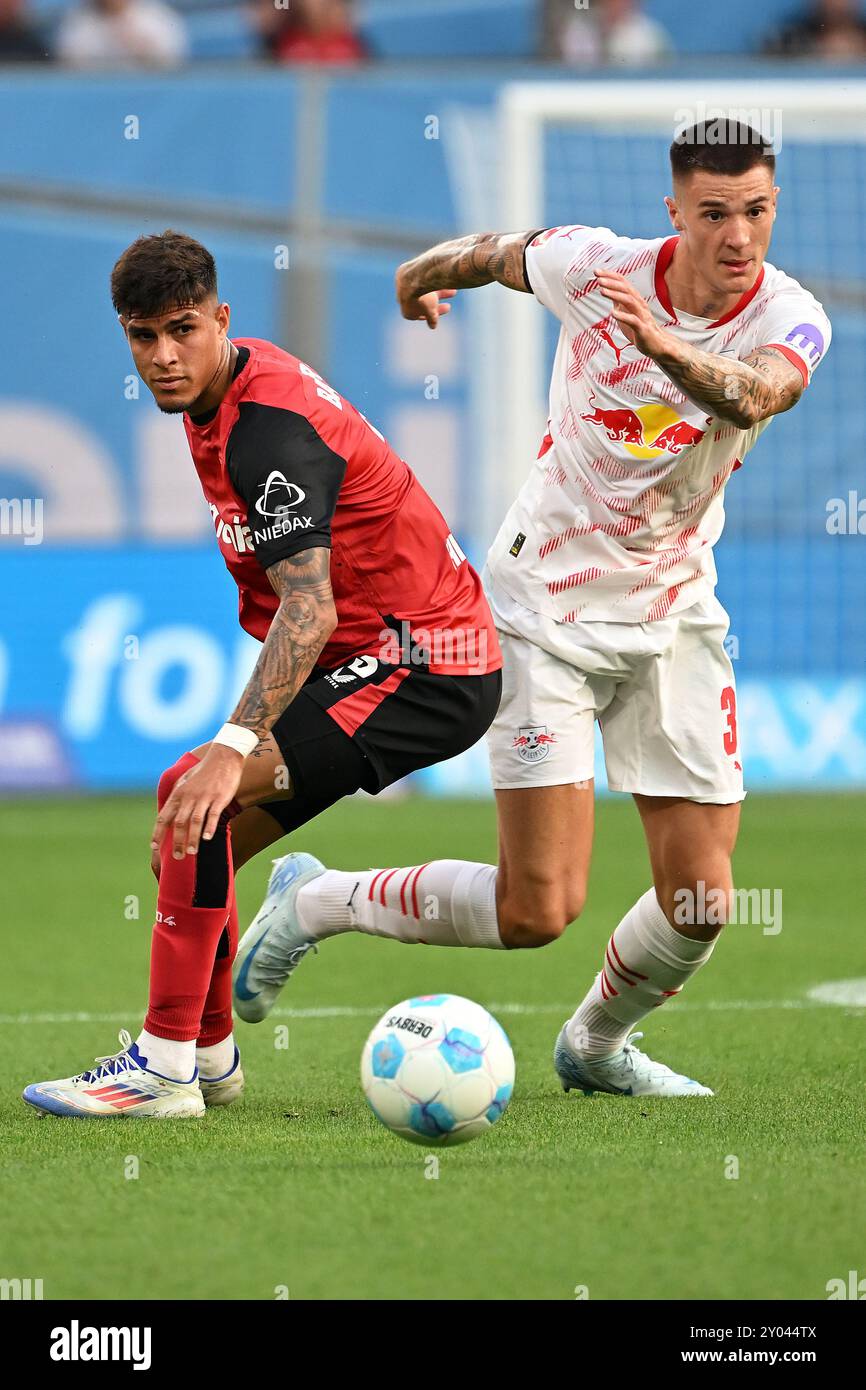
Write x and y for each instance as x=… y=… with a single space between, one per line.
x=674 y=354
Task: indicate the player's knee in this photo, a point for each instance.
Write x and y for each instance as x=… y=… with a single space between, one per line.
x=573 y=902
x=539 y=917
x=538 y=927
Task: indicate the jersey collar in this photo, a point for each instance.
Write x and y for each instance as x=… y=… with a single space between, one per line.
x=663 y=260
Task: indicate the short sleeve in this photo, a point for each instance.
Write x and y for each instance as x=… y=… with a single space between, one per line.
x=559 y=262
x=289 y=478
x=797 y=326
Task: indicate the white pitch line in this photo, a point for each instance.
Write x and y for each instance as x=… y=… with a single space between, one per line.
x=375 y=1010
x=847 y=992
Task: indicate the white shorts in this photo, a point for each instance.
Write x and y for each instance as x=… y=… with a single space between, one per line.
x=663 y=693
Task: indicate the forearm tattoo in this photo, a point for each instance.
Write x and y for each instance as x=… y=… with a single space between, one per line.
x=467 y=262
x=301 y=626
x=763 y=384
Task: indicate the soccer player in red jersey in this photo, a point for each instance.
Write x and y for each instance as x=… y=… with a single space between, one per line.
x=379 y=657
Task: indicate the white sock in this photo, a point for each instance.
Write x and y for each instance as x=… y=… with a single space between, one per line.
x=645 y=962
x=448 y=902
x=216 y=1060
x=173 y=1059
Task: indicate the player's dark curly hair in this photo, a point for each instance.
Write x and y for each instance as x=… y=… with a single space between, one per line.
x=720 y=146
x=156 y=273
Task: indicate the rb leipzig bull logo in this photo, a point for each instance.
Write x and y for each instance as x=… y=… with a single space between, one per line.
x=646 y=432
x=533 y=742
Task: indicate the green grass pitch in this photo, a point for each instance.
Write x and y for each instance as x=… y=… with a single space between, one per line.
x=298 y=1187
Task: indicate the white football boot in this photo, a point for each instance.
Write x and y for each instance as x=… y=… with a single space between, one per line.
x=222 y=1090
x=119 y=1084
x=627 y=1073
x=274 y=944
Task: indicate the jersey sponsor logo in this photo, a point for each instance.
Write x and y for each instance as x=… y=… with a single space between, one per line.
x=618 y=423
x=648 y=430
x=232 y=532
x=278 y=495
x=809 y=340
x=678 y=437
x=533 y=742
x=285 y=527
x=238 y=536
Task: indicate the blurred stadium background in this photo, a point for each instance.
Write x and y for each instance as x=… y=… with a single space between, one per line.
x=310 y=181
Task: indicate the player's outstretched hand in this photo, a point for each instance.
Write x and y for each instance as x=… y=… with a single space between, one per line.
x=198 y=799
x=430 y=307
x=632 y=313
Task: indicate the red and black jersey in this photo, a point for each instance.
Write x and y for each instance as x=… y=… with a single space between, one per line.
x=286 y=463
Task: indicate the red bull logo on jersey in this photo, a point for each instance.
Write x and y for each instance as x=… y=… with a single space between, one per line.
x=678 y=437
x=646 y=431
x=619 y=423
x=533 y=742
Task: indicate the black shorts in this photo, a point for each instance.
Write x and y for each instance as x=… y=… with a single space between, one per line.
x=368 y=724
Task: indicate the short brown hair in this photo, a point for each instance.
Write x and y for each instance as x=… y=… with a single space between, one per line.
x=721 y=147
x=158 y=272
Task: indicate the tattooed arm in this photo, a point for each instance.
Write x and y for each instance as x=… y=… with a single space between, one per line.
x=426 y=283
x=763 y=384
x=300 y=628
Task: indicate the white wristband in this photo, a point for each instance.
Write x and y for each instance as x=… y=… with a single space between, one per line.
x=235 y=736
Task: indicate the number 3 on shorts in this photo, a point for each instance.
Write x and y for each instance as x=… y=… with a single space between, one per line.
x=729 y=706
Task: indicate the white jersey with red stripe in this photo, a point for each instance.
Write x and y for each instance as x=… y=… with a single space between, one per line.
x=624 y=503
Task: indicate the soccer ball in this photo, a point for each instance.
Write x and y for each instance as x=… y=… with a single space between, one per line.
x=437 y=1069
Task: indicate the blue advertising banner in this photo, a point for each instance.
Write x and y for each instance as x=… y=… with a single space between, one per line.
x=129 y=656
x=114 y=662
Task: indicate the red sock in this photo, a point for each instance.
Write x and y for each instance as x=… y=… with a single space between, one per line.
x=216 y=1019
x=193 y=910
